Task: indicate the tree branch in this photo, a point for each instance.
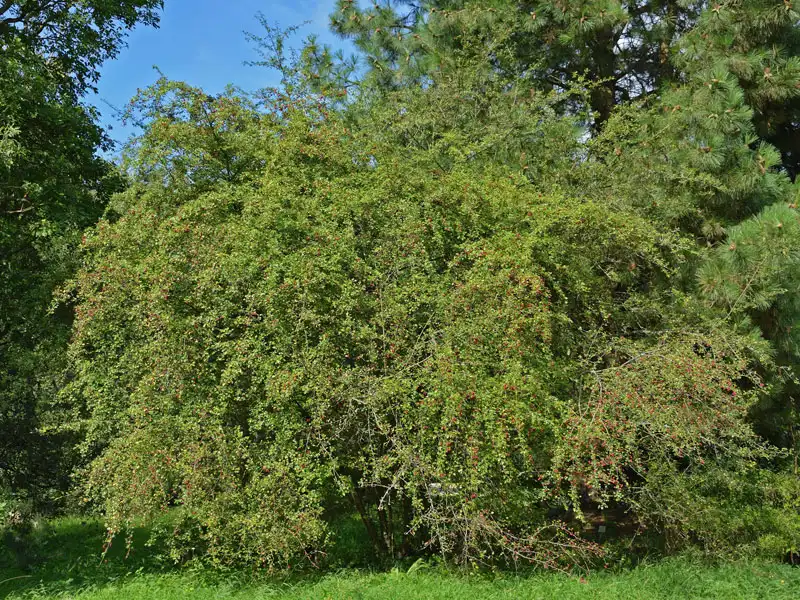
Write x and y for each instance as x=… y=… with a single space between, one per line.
x=5 y=6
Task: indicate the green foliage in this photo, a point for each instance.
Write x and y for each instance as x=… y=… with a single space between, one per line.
x=626 y=50
x=53 y=184
x=74 y=37
x=282 y=314
x=678 y=403
x=624 y=45
x=531 y=270
x=757 y=42
x=73 y=569
x=754 y=273
x=692 y=160
x=751 y=277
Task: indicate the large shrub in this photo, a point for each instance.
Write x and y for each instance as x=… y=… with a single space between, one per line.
x=279 y=316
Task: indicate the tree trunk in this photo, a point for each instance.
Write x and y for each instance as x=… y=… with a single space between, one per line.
x=374 y=537
x=603 y=95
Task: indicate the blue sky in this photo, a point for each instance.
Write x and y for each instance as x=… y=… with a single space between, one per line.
x=201 y=42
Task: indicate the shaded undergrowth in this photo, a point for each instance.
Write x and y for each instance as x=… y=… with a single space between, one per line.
x=64 y=559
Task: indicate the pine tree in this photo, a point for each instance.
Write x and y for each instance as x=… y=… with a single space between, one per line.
x=625 y=49
x=758 y=43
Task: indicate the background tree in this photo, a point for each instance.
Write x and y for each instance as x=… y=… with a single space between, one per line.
x=53 y=184
x=74 y=36
x=625 y=49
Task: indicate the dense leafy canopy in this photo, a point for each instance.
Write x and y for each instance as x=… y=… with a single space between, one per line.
x=533 y=269
x=53 y=184
x=73 y=37
x=629 y=49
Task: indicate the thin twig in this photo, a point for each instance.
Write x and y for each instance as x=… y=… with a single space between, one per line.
x=15 y=578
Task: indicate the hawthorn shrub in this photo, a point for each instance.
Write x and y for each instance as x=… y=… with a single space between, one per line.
x=279 y=316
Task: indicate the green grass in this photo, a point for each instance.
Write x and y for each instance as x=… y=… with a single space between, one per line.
x=69 y=566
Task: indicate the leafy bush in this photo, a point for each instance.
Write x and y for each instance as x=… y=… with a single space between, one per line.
x=277 y=316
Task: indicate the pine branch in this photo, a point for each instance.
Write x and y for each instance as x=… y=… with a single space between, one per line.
x=746 y=287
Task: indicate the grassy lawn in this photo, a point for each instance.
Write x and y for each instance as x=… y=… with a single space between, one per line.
x=69 y=567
